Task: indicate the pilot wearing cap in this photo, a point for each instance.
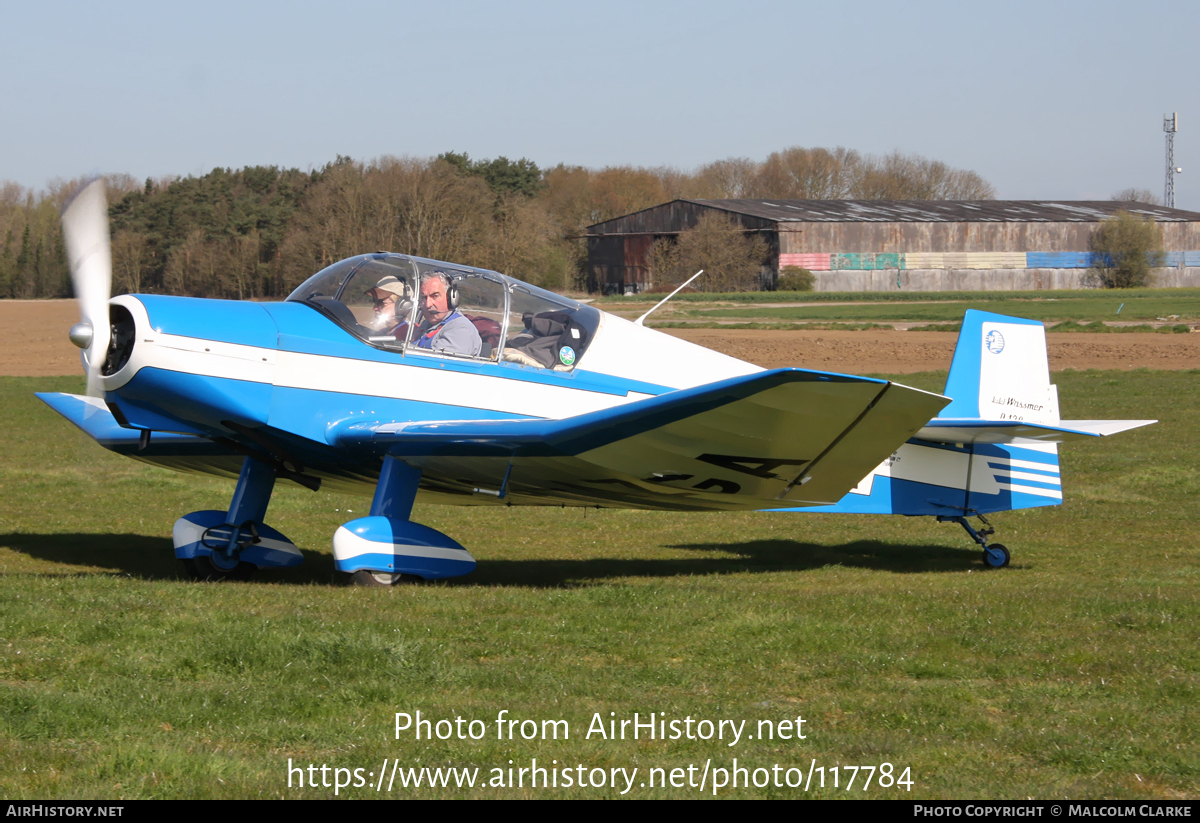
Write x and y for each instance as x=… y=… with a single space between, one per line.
x=391 y=297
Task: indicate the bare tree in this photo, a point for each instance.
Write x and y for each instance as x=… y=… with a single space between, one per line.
x=899 y=176
x=809 y=174
x=732 y=178
x=732 y=260
x=438 y=212
x=618 y=190
x=415 y=206
x=188 y=266
x=239 y=274
x=130 y=258
x=521 y=242
x=1137 y=196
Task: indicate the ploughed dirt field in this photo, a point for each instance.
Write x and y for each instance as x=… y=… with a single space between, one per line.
x=34 y=338
x=896 y=352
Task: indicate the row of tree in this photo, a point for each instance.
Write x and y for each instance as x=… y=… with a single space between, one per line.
x=260 y=231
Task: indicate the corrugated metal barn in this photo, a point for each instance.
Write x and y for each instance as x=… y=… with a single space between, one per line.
x=889 y=245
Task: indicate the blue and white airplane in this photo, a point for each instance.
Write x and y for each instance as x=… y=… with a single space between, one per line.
x=400 y=376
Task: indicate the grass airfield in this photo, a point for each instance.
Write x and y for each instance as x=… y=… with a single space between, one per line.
x=1139 y=310
x=1072 y=674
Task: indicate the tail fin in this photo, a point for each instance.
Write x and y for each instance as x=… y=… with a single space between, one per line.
x=1000 y=377
x=1001 y=371
x=995 y=447
x=999 y=383
x=1001 y=393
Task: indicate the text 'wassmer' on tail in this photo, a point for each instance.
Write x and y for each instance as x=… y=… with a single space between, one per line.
x=995 y=447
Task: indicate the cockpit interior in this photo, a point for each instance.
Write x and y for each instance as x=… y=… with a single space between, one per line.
x=416 y=306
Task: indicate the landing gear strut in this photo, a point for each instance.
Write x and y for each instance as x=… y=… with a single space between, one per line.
x=995 y=555
x=232 y=545
x=386 y=548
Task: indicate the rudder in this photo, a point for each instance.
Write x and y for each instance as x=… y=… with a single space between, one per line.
x=1000 y=372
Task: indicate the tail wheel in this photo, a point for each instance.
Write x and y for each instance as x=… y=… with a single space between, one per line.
x=381 y=580
x=995 y=556
x=204 y=568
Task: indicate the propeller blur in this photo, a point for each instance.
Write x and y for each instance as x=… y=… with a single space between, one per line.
x=85 y=228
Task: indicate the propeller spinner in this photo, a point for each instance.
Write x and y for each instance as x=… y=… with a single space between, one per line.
x=85 y=227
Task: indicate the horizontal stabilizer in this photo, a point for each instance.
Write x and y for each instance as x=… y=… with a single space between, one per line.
x=1016 y=432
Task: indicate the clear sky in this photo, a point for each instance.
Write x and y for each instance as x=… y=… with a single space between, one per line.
x=1046 y=100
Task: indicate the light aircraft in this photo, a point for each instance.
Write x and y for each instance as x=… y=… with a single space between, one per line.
x=556 y=404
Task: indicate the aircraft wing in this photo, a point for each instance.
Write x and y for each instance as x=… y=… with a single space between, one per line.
x=181 y=452
x=92 y=416
x=784 y=437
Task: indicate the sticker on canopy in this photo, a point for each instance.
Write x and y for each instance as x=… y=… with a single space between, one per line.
x=566 y=355
x=994 y=342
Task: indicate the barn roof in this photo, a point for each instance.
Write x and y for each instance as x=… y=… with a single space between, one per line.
x=927 y=211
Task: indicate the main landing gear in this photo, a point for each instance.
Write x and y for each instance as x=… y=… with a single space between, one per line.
x=382 y=550
x=381 y=580
x=386 y=548
x=232 y=545
x=995 y=555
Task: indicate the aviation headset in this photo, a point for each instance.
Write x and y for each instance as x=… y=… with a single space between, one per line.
x=389 y=284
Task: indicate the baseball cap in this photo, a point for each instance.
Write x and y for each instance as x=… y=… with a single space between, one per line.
x=392 y=285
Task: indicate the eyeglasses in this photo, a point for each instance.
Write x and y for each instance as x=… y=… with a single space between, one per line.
x=382 y=302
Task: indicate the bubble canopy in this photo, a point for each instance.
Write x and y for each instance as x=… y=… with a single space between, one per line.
x=414 y=305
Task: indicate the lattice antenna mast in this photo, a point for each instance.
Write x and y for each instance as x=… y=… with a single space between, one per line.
x=1170 y=126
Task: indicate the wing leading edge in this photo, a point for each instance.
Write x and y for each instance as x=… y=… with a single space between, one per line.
x=180 y=452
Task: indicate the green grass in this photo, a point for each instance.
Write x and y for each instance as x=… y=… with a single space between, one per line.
x=1072 y=673
x=774 y=326
x=1099 y=326
x=1120 y=296
x=1097 y=306
x=1074 y=310
x=1095 y=327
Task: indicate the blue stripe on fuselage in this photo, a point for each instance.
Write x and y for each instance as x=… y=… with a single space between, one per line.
x=1049 y=475
x=1049 y=485
x=155 y=396
x=895 y=495
x=202 y=401
x=892 y=495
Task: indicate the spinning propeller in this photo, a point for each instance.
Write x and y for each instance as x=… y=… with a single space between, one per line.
x=85 y=227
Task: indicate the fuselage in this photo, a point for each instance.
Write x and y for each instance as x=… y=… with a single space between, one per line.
x=221 y=369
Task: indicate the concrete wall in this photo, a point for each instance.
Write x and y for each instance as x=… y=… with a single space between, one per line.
x=981 y=280
x=796 y=238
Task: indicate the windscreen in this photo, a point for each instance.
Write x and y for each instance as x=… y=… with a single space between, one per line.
x=428 y=307
x=372 y=296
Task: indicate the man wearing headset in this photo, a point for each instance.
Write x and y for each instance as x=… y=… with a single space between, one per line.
x=442 y=327
x=392 y=299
